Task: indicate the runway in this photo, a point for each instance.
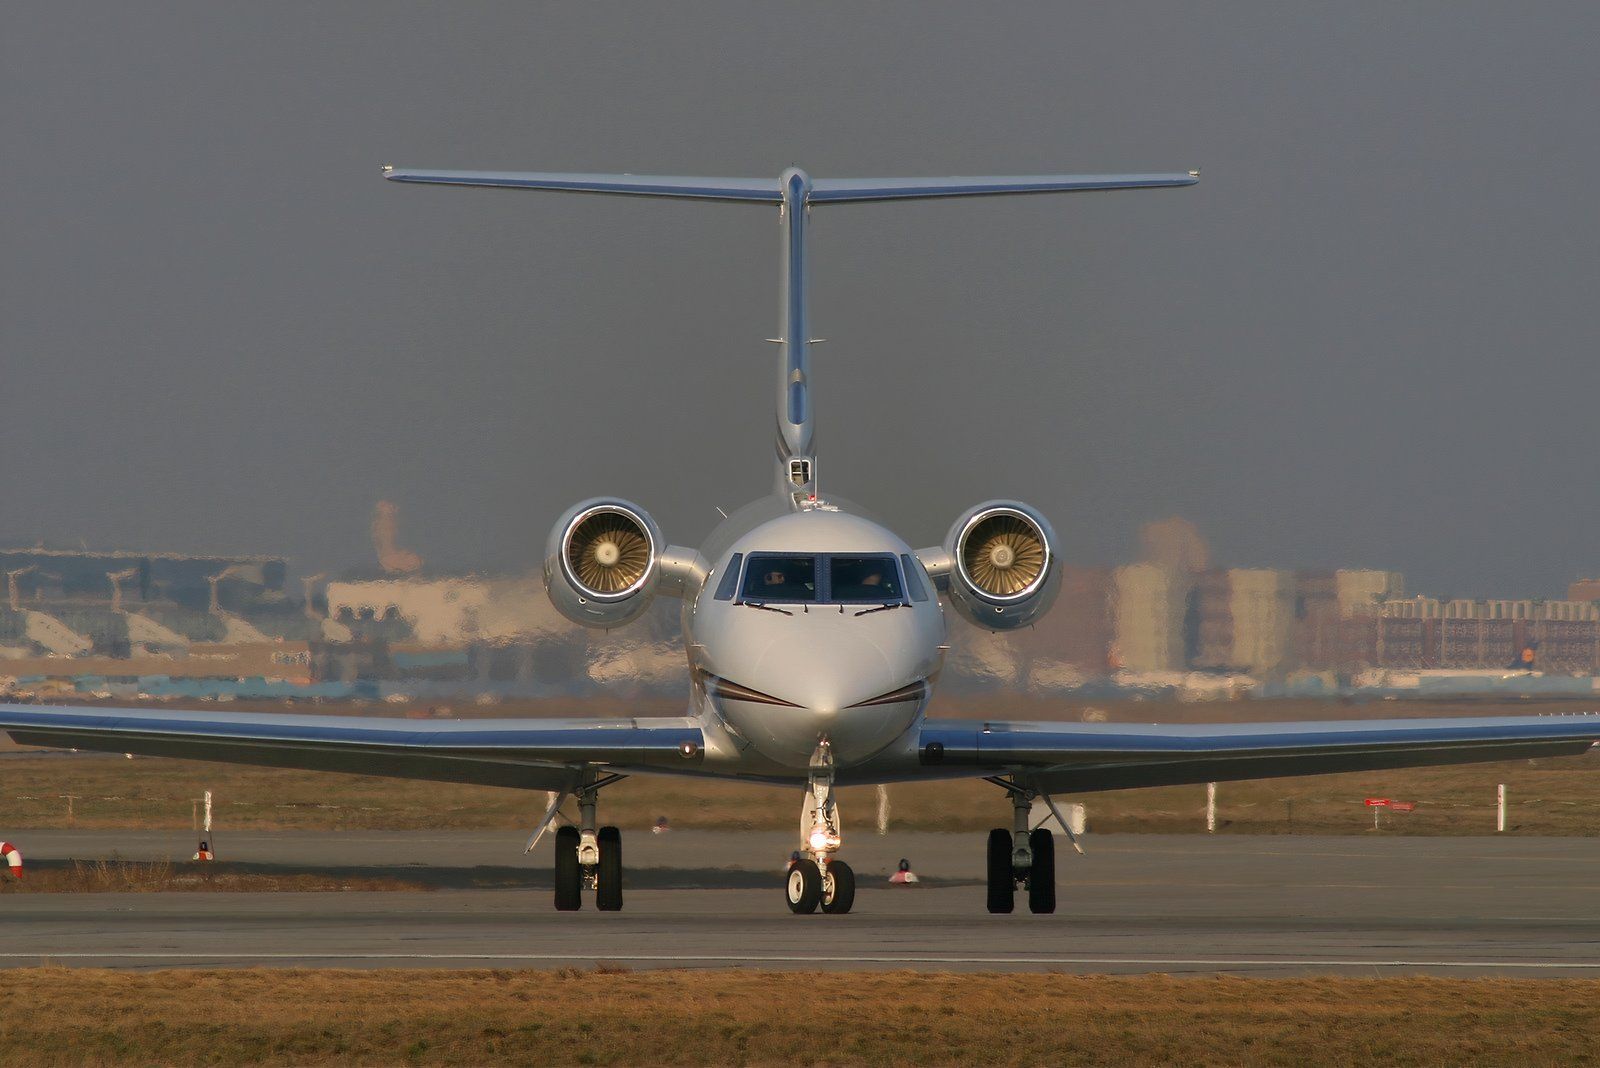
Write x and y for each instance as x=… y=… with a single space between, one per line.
x=1262 y=906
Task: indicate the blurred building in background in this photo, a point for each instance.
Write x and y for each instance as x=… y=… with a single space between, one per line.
x=1424 y=633
x=144 y=622
x=1147 y=618
x=1244 y=620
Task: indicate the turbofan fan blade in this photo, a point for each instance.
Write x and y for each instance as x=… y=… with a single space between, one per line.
x=609 y=553
x=1004 y=556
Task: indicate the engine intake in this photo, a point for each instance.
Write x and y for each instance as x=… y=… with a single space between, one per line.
x=1003 y=572
x=601 y=562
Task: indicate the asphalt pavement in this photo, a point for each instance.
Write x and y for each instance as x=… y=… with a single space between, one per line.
x=1135 y=903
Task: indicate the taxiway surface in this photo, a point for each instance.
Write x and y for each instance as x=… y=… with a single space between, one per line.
x=1135 y=903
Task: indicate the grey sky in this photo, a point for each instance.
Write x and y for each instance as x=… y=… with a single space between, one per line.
x=1367 y=338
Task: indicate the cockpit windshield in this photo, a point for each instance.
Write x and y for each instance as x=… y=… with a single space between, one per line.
x=799 y=578
x=782 y=577
x=858 y=579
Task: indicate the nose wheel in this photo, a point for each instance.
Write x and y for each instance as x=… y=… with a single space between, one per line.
x=803 y=885
x=838 y=887
x=830 y=886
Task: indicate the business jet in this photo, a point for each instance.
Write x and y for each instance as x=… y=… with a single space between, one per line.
x=814 y=638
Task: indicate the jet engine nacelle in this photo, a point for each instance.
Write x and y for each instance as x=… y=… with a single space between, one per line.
x=602 y=564
x=1002 y=565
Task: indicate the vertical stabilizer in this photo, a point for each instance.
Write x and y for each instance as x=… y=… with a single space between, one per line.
x=796 y=463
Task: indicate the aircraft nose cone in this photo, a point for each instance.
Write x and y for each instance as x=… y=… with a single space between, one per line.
x=830 y=685
x=833 y=675
x=820 y=674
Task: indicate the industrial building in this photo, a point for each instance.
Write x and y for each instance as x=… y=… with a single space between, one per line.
x=72 y=613
x=1424 y=633
x=116 y=604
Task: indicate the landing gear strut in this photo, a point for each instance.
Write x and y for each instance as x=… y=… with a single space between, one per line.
x=1019 y=858
x=587 y=858
x=819 y=879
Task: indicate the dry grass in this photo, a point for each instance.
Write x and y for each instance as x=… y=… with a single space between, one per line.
x=112 y=875
x=53 y=1016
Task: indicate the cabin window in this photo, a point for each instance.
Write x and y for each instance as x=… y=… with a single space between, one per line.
x=781 y=578
x=730 y=579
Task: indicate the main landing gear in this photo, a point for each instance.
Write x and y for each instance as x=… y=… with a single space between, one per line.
x=589 y=859
x=1022 y=859
x=817 y=879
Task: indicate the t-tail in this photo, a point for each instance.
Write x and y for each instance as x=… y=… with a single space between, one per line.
x=795 y=193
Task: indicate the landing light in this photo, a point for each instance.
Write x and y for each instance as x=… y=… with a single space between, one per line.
x=821 y=840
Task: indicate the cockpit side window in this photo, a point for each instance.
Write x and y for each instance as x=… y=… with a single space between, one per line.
x=863 y=579
x=914 y=585
x=780 y=578
x=730 y=578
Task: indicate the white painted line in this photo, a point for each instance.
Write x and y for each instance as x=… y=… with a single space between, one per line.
x=669 y=958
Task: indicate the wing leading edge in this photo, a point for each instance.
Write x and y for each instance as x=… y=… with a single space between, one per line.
x=539 y=754
x=1064 y=758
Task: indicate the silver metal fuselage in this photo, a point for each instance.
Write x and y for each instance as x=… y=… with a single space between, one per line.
x=812 y=672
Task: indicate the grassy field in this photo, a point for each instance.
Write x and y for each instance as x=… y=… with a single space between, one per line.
x=149 y=877
x=54 y=1016
x=1547 y=797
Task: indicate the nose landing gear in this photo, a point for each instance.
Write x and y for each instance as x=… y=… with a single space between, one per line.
x=819 y=879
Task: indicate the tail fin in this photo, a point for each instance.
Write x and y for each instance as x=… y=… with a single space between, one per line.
x=796 y=192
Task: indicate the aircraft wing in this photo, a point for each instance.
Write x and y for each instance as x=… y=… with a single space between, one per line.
x=1081 y=757
x=538 y=754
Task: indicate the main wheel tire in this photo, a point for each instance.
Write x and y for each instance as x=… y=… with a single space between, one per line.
x=1002 y=884
x=838 y=887
x=1042 y=876
x=608 y=877
x=803 y=886
x=569 y=878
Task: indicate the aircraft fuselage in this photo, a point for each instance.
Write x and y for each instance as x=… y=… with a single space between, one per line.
x=846 y=649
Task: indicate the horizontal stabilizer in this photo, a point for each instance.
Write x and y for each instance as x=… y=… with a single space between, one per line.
x=758 y=190
x=770 y=191
x=845 y=190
